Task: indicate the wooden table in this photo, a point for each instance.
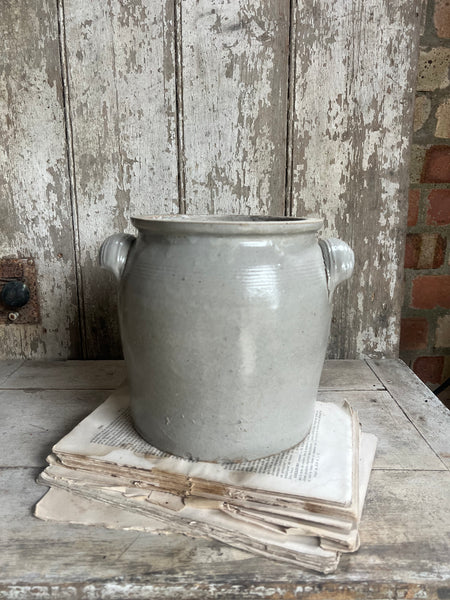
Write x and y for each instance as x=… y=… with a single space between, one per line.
x=405 y=527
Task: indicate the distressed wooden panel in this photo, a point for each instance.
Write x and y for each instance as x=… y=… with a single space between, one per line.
x=348 y=375
x=404 y=529
x=121 y=79
x=25 y=418
x=36 y=219
x=188 y=104
x=234 y=58
x=7 y=368
x=422 y=407
x=354 y=77
x=67 y=375
x=403 y=554
x=400 y=446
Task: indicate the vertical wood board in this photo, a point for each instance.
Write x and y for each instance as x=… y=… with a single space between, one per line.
x=121 y=78
x=36 y=219
x=234 y=76
x=208 y=106
x=354 y=77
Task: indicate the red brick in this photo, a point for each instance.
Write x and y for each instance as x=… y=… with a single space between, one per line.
x=436 y=167
x=442 y=337
x=429 y=368
x=441 y=18
x=413 y=334
x=442 y=129
x=438 y=212
x=430 y=291
x=413 y=206
x=412 y=250
x=424 y=250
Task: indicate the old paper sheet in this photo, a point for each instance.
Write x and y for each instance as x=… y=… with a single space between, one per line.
x=106 y=437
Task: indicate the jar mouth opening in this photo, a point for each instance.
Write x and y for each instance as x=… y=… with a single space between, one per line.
x=235 y=223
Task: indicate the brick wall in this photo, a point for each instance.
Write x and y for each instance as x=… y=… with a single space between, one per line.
x=425 y=331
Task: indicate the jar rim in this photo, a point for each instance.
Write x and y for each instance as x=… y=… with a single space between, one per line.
x=231 y=223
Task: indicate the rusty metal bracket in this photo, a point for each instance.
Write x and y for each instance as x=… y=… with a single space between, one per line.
x=24 y=270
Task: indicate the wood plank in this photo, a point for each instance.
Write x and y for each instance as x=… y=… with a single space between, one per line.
x=403 y=553
x=348 y=375
x=34 y=183
x=422 y=407
x=121 y=74
x=66 y=375
x=25 y=540
x=405 y=526
x=7 y=368
x=405 y=531
x=354 y=81
x=234 y=104
x=400 y=445
x=33 y=421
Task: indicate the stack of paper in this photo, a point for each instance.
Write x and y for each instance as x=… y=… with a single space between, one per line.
x=301 y=506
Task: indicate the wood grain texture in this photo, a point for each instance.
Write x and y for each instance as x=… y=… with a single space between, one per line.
x=121 y=79
x=395 y=557
x=353 y=94
x=348 y=375
x=25 y=417
x=36 y=216
x=234 y=83
x=67 y=375
x=422 y=407
x=399 y=446
x=7 y=368
x=404 y=530
x=132 y=106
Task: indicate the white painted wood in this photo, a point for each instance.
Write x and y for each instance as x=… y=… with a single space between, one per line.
x=234 y=103
x=7 y=368
x=348 y=375
x=422 y=407
x=400 y=446
x=121 y=78
x=354 y=78
x=68 y=375
x=33 y=421
x=65 y=559
x=404 y=531
x=205 y=106
x=36 y=219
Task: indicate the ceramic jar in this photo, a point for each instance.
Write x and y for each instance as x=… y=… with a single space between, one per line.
x=224 y=323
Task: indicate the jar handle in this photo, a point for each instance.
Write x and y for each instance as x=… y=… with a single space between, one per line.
x=339 y=261
x=114 y=251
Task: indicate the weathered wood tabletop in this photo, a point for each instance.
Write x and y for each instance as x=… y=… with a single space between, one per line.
x=405 y=529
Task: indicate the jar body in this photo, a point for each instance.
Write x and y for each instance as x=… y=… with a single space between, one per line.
x=224 y=336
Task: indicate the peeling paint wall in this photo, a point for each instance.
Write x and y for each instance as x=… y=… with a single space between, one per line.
x=353 y=92
x=135 y=106
x=36 y=211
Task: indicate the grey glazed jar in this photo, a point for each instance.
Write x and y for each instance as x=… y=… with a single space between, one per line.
x=224 y=323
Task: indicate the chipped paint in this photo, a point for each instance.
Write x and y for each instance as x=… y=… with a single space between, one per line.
x=122 y=87
x=36 y=212
x=235 y=60
x=353 y=97
x=188 y=104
